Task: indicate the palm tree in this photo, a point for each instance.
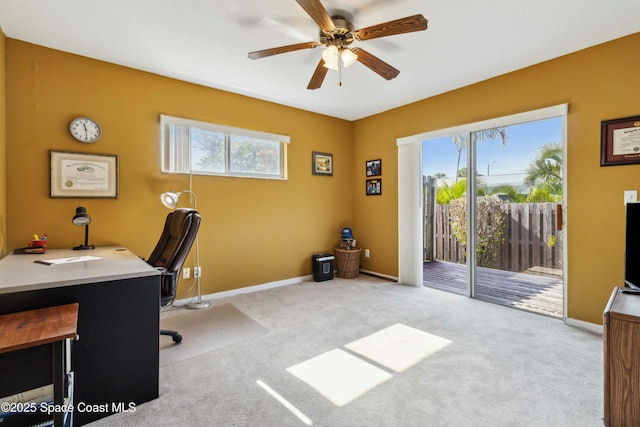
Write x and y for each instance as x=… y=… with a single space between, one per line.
x=461 y=143
x=542 y=195
x=446 y=192
x=546 y=169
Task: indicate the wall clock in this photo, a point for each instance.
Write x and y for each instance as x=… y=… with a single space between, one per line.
x=85 y=129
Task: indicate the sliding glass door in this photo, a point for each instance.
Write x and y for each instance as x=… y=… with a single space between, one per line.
x=517 y=216
x=493 y=214
x=444 y=167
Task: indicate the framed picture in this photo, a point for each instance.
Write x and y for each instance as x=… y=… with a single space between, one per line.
x=83 y=175
x=322 y=163
x=620 y=141
x=374 y=187
x=374 y=167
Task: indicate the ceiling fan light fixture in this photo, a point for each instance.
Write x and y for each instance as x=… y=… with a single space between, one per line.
x=330 y=56
x=348 y=57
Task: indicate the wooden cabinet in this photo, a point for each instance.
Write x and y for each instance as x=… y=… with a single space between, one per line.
x=28 y=329
x=622 y=360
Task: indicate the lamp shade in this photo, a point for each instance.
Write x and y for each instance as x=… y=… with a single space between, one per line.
x=81 y=217
x=169 y=199
x=348 y=57
x=330 y=56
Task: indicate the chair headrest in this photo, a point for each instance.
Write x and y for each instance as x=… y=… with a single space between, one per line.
x=178 y=220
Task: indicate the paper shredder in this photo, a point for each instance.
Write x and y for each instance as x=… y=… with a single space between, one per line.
x=323 y=267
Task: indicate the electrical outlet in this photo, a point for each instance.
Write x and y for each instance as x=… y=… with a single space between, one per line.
x=630 y=196
x=197 y=272
x=366 y=253
x=186 y=273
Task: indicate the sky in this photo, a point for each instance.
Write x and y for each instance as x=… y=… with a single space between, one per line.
x=440 y=154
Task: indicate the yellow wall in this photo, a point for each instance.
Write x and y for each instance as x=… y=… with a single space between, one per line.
x=253 y=231
x=258 y=231
x=599 y=83
x=3 y=147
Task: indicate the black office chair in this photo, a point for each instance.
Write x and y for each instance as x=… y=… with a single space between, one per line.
x=180 y=230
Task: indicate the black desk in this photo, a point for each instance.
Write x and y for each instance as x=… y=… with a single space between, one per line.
x=116 y=360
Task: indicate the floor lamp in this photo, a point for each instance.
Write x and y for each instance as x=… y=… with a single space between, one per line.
x=170 y=200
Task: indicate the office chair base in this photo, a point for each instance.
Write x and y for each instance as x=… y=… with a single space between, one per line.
x=177 y=338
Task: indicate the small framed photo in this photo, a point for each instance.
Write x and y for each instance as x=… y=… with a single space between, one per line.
x=83 y=175
x=620 y=141
x=322 y=163
x=374 y=167
x=374 y=187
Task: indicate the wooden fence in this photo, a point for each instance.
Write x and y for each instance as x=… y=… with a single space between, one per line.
x=531 y=238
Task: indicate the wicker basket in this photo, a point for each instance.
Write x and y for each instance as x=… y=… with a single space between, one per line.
x=348 y=263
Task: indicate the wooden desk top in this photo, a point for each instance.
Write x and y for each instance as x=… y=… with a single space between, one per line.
x=20 y=273
x=36 y=327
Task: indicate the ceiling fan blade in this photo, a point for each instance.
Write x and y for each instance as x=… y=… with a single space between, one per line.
x=391 y=28
x=318 y=76
x=376 y=64
x=318 y=13
x=282 y=49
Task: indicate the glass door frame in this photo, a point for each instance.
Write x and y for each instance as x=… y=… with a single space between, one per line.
x=471 y=215
x=410 y=197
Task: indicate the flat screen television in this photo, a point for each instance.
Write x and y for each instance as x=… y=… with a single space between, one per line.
x=632 y=247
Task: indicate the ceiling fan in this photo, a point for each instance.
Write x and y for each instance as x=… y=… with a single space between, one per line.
x=337 y=33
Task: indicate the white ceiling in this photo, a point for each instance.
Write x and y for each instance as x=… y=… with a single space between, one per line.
x=207 y=42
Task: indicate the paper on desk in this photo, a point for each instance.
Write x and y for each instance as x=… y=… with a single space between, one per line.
x=66 y=260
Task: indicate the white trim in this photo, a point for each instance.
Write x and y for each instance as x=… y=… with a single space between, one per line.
x=587 y=326
x=164 y=119
x=565 y=246
x=528 y=116
x=410 y=214
x=270 y=285
x=380 y=275
x=246 y=290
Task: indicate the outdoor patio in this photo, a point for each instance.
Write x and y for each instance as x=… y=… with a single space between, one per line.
x=536 y=291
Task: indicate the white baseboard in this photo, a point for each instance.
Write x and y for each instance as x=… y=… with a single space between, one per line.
x=277 y=284
x=587 y=326
x=382 y=276
x=246 y=290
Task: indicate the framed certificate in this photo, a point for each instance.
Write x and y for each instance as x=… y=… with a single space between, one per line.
x=83 y=175
x=620 y=141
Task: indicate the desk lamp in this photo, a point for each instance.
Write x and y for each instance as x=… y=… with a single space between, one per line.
x=170 y=200
x=82 y=218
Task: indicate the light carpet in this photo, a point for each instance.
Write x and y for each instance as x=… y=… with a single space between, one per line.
x=205 y=330
x=339 y=376
x=481 y=364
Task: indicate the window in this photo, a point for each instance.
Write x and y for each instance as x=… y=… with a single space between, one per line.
x=190 y=146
